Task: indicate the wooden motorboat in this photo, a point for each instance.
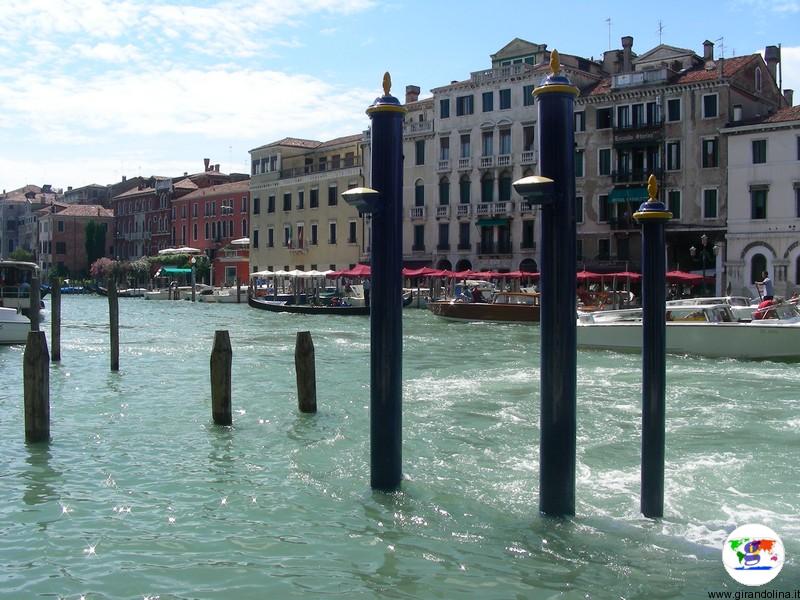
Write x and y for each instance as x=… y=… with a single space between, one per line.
x=14 y=326
x=504 y=307
x=306 y=309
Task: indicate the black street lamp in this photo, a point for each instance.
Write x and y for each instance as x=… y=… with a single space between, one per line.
x=704 y=257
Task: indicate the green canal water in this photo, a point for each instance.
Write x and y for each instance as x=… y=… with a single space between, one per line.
x=139 y=495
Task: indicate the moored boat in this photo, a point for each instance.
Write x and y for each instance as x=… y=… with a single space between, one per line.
x=14 y=326
x=504 y=307
x=306 y=309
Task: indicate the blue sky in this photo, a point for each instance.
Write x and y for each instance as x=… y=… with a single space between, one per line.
x=94 y=89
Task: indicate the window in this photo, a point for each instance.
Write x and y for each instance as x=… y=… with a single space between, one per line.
x=444 y=148
x=488 y=101
x=505 y=99
x=351 y=232
x=527 y=234
x=578 y=163
x=332 y=232
x=463 y=236
x=674 y=203
x=464 y=105
x=465 y=145
x=444 y=108
x=603 y=116
x=256 y=207
x=419 y=238
x=580 y=121
x=419 y=154
x=528 y=138
x=255 y=238
x=758 y=202
x=710 y=153
x=504 y=187
x=244 y=228
x=270 y=237
x=244 y=204
x=419 y=193
x=194 y=231
x=464 y=191
x=61 y=225
x=623 y=116
x=673 y=156
x=333 y=195
x=208 y=231
x=271 y=204
x=710 y=203
x=602 y=208
x=314 y=234
x=444 y=236
x=759 y=151
x=710 y=106
x=487 y=189
x=287 y=236
x=604 y=249
x=505 y=141
x=444 y=192
x=61 y=247
x=674 y=109
x=313 y=198
x=637 y=115
x=604 y=161
x=579 y=209
x=287 y=201
x=527 y=95
x=653 y=115
x=487 y=139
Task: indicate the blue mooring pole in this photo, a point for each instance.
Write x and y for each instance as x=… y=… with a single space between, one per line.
x=386 y=307
x=556 y=97
x=653 y=217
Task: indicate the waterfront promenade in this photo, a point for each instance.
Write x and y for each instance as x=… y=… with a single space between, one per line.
x=139 y=494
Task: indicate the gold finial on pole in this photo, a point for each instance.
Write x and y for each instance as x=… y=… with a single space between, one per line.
x=387 y=83
x=652 y=188
x=555 y=62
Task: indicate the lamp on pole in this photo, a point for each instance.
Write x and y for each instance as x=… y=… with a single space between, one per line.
x=704 y=257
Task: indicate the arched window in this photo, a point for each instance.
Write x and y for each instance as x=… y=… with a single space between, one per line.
x=758 y=79
x=444 y=265
x=758 y=264
x=463 y=265
x=505 y=187
x=528 y=266
x=444 y=191
x=463 y=190
x=419 y=193
x=244 y=227
x=487 y=189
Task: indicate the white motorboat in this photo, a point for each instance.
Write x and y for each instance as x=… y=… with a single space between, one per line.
x=706 y=330
x=224 y=295
x=14 y=326
x=741 y=306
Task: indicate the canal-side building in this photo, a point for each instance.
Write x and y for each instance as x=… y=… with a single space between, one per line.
x=19 y=210
x=763 y=228
x=463 y=148
x=88 y=194
x=661 y=112
x=209 y=219
x=63 y=236
x=133 y=224
x=298 y=218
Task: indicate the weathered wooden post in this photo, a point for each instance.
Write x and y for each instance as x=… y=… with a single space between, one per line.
x=36 y=377
x=653 y=216
x=113 y=322
x=238 y=291
x=34 y=303
x=221 y=358
x=305 y=370
x=55 y=318
x=555 y=191
x=194 y=279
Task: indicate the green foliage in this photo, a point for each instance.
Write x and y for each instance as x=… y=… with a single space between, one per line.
x=21 y=254
x=95 y=241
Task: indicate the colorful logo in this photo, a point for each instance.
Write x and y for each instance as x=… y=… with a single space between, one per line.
x=753 y=554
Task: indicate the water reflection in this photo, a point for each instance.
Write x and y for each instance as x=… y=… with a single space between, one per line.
x=40 y=476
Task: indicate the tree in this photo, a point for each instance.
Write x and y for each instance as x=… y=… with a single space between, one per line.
x=95 y=241
x=21 y=254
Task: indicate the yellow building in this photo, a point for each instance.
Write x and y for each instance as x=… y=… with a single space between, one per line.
x=299 y=220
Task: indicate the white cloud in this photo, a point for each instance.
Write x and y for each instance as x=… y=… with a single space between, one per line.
x=109 y=52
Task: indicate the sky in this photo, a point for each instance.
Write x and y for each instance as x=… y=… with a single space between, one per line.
x=91 y=90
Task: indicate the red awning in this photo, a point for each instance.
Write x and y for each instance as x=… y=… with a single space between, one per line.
x=683 y=277
x=357 y=271
x=588 y=276
x=421 y=272
x=626 y=275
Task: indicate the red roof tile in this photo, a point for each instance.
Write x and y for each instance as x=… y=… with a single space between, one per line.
x=237 y=187
x=791 y=113
x=730 y=66
x=86 y=210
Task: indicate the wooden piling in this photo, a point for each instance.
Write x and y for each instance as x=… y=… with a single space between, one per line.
x=55 y=318
x=113 y=322
x=35 y=302
x=238 y=291
x=306 y=372
x=36 y=377
x=221 y=358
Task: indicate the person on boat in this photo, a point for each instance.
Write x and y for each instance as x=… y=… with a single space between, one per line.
x=766 y=285
x=476 y=295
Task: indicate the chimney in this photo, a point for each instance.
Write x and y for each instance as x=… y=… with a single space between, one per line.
x=772 y=56
x=216 y=167
x=412 y=93
x=46 y=188
x=789 y=97
x=708 y=51
x=69 y=188
x=124 y=178
x=627 y=58
x=205 y=163
x=737 y=113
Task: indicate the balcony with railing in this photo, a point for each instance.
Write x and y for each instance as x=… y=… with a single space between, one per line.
x=416 y=213
x=635 y=175
x=650 y=77
x=443 y=211
x=464 y=164
x=525 y=208
x=464 y=210
x=493 y=248
x=499 y=73
x=487 y=162
x=330 y=166
x=486 y=209
x=504 y=160
x=417 y=128
x=444 y=165
x=646 y=132
x=528 y=157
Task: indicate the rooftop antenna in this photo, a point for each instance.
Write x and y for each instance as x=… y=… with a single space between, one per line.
x=721 y=41
x=660 y=31
x=608 y=20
